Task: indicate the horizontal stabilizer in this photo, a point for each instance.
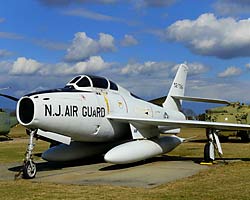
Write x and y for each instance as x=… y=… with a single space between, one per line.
x=199 y=99
x=159 y=101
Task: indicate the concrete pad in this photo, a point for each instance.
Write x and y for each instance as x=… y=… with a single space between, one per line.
x=148 y=174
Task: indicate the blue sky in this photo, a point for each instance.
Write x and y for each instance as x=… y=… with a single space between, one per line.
x=44 y=43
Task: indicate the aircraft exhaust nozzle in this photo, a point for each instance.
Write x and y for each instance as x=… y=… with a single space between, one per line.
x=25 y=111
x=138 y=150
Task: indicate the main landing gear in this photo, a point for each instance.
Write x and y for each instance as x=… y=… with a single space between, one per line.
x=212 y=145
x=29 y=167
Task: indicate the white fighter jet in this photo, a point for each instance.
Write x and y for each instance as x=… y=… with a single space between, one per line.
x=92 y=115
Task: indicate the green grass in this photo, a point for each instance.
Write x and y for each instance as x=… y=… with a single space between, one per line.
x=220 y=181
x=18 y=132
x=14 y=150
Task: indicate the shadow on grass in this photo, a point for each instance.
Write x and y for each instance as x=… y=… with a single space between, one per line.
x=166 y=158
x=5 y=138
x=230 y=140
x=163 y=158
x=50 y=166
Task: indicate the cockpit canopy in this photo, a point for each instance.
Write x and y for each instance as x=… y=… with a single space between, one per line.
x=86 y=82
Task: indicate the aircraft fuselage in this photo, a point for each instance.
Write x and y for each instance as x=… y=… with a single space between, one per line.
x=82 y=115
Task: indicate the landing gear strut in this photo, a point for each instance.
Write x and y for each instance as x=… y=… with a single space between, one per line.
x=212 y=145
x=29 y=167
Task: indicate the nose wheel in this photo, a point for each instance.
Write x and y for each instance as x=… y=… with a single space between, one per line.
x=29 y=167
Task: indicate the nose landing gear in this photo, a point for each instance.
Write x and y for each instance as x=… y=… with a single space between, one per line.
x=29 y=167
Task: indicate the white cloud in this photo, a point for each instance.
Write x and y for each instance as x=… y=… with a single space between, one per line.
x=92 y=65
x=153 y=3
x=136 y=3
x=160 y=69
x=229 y=72
x=32 y=75
x=8 y=35
x=207 y=35
x=151 y=68
x=97 y=16
x=129 y=40
x=5 y=66
x=106 y=42
x=25 y=66
x=232 y=90
x=68 y=2
x=148 y=80
x=152 y=79
x=248 y=65
x=232 y=7
x=4 y=53
x=194 y=68
x=80 y=12
x=84 y=47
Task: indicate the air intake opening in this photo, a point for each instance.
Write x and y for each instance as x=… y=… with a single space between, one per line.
x=26 y=110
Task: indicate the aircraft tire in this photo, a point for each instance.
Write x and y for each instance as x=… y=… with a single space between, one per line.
x=29 y=170
x=207 y=153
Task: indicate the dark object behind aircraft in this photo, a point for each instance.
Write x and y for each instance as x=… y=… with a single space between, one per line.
x=233 y=113
x=7 y=121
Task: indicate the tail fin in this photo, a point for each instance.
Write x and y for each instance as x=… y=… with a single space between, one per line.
x=177 y=89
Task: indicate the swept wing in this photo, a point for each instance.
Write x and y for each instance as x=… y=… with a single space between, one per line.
x=180 y=123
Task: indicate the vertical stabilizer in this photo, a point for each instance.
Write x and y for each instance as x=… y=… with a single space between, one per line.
x=177 y=89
